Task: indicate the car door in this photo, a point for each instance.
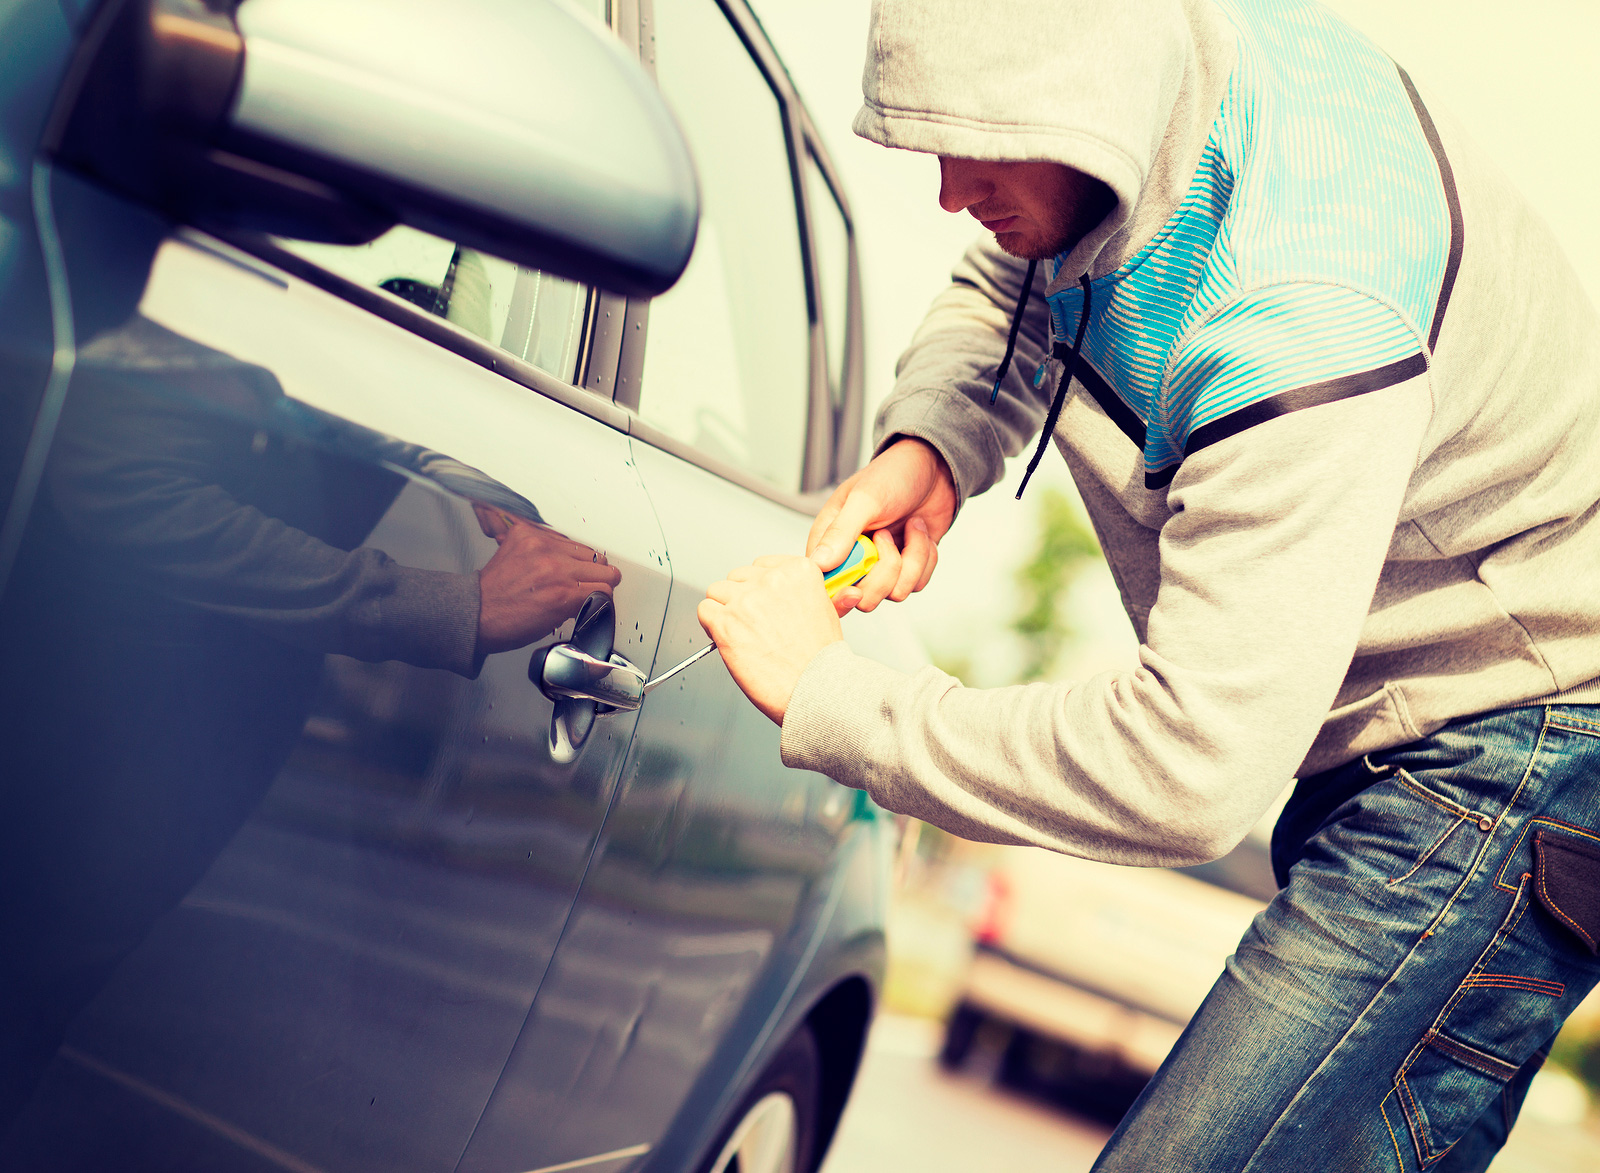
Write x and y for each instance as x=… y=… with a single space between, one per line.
x=718 y=868
x=288 y=848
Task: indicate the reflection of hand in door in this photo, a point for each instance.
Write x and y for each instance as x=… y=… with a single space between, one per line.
x=535 y=581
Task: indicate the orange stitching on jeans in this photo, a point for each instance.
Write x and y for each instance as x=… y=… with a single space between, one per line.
x=1399 y=1161
x=1514 y=915
x=1558 y=721
x=1428 y=854
x=1433 y=797
x=1546 y=820
x=1511 y=803
x=1513 y=981
x=1420 y=1137
x=1414 y=1119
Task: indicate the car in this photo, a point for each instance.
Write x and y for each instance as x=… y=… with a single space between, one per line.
x=1083 y=974
x=381 y=387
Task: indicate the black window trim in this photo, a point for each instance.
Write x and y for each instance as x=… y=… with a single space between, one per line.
x=846 y=418
x=821 y=451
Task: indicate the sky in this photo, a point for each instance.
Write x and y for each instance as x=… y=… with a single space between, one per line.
x=1523 y=79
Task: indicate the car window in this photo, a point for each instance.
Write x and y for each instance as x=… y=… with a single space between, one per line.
x=831 y=248
x=531 y=314
x=726 y=363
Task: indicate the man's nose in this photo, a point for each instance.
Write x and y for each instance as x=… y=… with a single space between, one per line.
x=961 y=184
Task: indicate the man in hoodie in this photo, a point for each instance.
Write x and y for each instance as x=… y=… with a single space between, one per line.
x=1331 y=395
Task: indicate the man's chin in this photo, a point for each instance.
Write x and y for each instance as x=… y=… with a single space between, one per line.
x=1024 y=247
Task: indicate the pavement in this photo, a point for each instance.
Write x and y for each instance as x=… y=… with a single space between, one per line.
x=908 y=1114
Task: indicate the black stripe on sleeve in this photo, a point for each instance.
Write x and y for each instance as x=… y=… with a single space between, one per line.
x=1161 y=478
x=1447 y=176
x=1314 y=395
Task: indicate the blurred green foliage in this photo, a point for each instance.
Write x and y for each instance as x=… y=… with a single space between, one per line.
x=1577 y=1048
x=1066 y=547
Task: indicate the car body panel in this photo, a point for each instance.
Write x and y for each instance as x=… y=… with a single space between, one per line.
x=301 y=908
x=1149 y=936
x=408 y=873
x=35 y=45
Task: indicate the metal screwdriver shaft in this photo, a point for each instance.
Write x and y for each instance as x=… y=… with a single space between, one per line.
x=863 y=556
x=679 y=667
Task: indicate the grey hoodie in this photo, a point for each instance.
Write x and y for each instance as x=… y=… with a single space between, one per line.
x=1337 y=422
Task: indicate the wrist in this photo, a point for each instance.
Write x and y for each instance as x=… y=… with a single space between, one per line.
x=927 y=452
x=798 y=686
x=485 y=620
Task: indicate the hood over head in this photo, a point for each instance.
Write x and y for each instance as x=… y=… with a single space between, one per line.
x=1123 y=90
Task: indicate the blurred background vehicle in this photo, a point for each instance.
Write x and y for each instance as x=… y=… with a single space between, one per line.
x=1084 y=974
x=345 y=371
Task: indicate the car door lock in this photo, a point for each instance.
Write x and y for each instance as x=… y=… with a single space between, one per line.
x=584 y=678
x=568 y=672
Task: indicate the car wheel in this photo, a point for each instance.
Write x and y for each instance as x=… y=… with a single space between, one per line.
x=775 y=1125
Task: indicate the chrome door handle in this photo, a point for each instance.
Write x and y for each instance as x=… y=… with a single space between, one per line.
x=571 y=673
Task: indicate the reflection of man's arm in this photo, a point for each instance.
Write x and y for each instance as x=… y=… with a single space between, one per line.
x=536 y=581
x=136 y=483
x=134 y=479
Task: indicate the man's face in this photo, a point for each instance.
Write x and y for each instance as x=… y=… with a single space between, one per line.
x=1035 y=210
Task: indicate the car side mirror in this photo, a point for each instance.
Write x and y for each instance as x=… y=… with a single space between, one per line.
x=518 y=127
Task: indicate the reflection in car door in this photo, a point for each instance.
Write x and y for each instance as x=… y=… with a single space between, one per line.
x=290 y=876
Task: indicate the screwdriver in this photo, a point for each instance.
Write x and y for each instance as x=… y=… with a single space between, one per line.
x=863 y=557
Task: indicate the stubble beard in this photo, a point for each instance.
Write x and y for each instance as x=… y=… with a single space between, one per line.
x=1034 y=248
x=1066 y=223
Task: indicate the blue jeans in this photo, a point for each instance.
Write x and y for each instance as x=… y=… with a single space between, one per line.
x=1389 y=1007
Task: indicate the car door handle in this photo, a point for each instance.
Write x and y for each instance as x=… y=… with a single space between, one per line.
x=571 y=673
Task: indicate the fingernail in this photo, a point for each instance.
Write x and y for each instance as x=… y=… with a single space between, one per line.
x=919 y=525
x=823 y=556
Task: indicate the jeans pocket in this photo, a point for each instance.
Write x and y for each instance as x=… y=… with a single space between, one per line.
x=1567 y=880
x=1503 y=1011
x=1448 y=815
x=1398 y=824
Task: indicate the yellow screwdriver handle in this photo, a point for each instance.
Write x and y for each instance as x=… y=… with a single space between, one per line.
x=863 y=557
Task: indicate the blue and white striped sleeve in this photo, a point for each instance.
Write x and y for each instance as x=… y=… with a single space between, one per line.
x=1273 y=351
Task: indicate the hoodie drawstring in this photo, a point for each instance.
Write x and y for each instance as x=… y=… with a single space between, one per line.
x=1059 y=352
x=1011 y=339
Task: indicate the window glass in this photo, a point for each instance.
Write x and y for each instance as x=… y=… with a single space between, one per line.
x=537 y=317
x=727 y=362
x=832 y=250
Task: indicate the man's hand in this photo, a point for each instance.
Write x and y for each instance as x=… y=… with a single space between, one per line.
x=535 y=582
x=905 y=499
x=768 y=621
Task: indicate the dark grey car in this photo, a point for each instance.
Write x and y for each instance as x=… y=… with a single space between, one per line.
x=345 y=372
